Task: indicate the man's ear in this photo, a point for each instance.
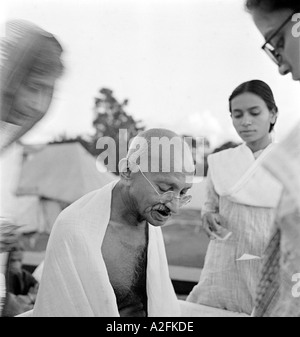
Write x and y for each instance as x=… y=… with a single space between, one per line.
x=124 y=170
x=126 y=174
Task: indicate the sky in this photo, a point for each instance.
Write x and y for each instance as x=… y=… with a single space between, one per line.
x=176 y=61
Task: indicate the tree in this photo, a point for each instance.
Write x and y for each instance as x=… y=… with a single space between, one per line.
x=109 y=118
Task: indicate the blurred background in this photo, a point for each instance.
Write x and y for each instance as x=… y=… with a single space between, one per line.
x=175 y=61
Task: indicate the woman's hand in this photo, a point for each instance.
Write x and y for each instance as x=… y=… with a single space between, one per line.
x=213 y=223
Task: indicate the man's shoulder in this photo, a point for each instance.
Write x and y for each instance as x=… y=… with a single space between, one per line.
x=81 y=203
x=86 y=208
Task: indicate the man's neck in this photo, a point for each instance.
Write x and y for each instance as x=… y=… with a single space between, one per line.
x=122 y=209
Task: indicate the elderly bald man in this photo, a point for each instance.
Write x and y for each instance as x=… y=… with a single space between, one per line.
x=106 y=255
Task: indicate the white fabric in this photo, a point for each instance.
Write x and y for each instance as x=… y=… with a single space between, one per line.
x=8 y=133
x=243 y=180
x=285 y=161
x=189 y=309
x=38 y=272
x=26 y=314
x=75 y=281
x=227 y=282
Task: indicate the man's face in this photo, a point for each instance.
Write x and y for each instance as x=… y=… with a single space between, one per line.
x=147 y=201
x=287 y=44
x=32 y=100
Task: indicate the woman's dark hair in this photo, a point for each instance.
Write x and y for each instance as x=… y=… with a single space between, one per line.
x=273 y=5
x=260 y=89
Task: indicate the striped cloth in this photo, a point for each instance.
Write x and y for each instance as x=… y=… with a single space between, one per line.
x=275 y=295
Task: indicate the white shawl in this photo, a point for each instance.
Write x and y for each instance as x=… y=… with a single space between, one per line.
x=75 y=281
x=240 y=177
x=284 y=163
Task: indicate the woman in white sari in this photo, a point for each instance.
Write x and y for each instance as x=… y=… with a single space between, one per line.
x=241 y=197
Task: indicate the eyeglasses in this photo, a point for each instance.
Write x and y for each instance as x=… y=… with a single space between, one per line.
x=170 y=195
x=272 y=51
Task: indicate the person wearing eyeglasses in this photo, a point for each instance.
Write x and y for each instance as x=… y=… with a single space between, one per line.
x=106 y=254
x=278 y=292
x=240 y=204
x=278 y=22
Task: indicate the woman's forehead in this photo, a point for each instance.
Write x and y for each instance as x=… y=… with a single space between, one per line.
x=247 y=99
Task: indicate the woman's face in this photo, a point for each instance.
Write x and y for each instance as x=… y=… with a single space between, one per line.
x=251 y=117
x=287 y=40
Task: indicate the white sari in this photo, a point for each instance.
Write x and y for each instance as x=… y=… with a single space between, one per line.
x=245 y=195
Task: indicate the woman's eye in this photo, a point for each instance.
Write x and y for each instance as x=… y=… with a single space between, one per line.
x=237 y=116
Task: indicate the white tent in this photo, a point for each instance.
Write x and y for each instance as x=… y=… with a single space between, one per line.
x=51 y=179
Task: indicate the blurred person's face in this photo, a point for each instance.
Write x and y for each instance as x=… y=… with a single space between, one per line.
x=32 y=99
x=251 y=117
x=284 y=41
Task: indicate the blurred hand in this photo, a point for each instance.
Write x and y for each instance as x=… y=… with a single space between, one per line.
x=8 y=235
x=32 y=293
x=211 y=223
x=16 y=305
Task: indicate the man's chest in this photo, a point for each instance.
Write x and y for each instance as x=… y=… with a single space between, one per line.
x=125 y=258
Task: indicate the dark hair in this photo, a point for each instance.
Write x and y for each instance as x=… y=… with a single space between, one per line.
x=260 y=89
x=273 y=5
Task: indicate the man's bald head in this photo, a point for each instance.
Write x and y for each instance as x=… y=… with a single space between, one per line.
x=160 y=150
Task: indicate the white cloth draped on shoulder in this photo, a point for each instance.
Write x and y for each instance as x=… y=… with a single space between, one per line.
x=241 y=178
x=75 y=280
x=284 y=163
x=281 y=262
